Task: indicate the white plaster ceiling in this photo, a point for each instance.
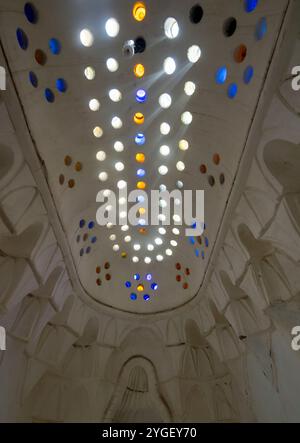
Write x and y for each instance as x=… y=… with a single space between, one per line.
x=65 y=127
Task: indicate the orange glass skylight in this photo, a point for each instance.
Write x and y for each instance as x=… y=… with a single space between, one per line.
x=139 y=11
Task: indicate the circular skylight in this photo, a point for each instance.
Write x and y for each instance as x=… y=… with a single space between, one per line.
x=169 y=66
x=139 y=70
x=194 y=53
x=139 y=11
x=103 y=176
x=89 y=73
x=22 y=39
x=189 y=88
x=141 y=96
x=112 y=27
x=139 y=118
x=250 y=5
x=230 y=26
x=115 y=95
x=98 y=132
x=119 y=166
x=141 y=173
x=180 y=166
x=221 y=75
x=31 y=13
x=140 y=157
x=196 y=14
x=116 y=123
x=86 y=38
x=232 y=90
x=140 y=139
x=165 y=128
x=165 y=101
x=118 y=146
x=101 y=156
x=112 y=64
x=248 y=74
x=171 y=28
x=164 y=150
x=261 y=28
x=183 y=145
x=186 y=118
x=163 y=170
x=94 y=105
x=158 y=241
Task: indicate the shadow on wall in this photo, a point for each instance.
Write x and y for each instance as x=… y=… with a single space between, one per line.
x=267 y=268
x=205 y=384
x=283 y=161
x=21 y=245
x=90 y=334
x=240 y=311
x=6 y=161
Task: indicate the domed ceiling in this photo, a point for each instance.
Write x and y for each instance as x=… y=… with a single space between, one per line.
x=153 y=94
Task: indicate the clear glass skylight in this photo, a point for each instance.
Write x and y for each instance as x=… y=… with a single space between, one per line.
x=112 y=64
x=86 y=38
x=165 y=101
x=112 y=27
x=171 y=28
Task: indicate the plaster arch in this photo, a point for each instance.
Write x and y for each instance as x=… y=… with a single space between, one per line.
x=282 y=158
x=240 y=310
x=199 y=360
x=269 y=274
x=136 y=397
x=141 y=342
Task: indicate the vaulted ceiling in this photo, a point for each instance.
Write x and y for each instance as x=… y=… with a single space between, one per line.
x=128 y=323
x=58 y=60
